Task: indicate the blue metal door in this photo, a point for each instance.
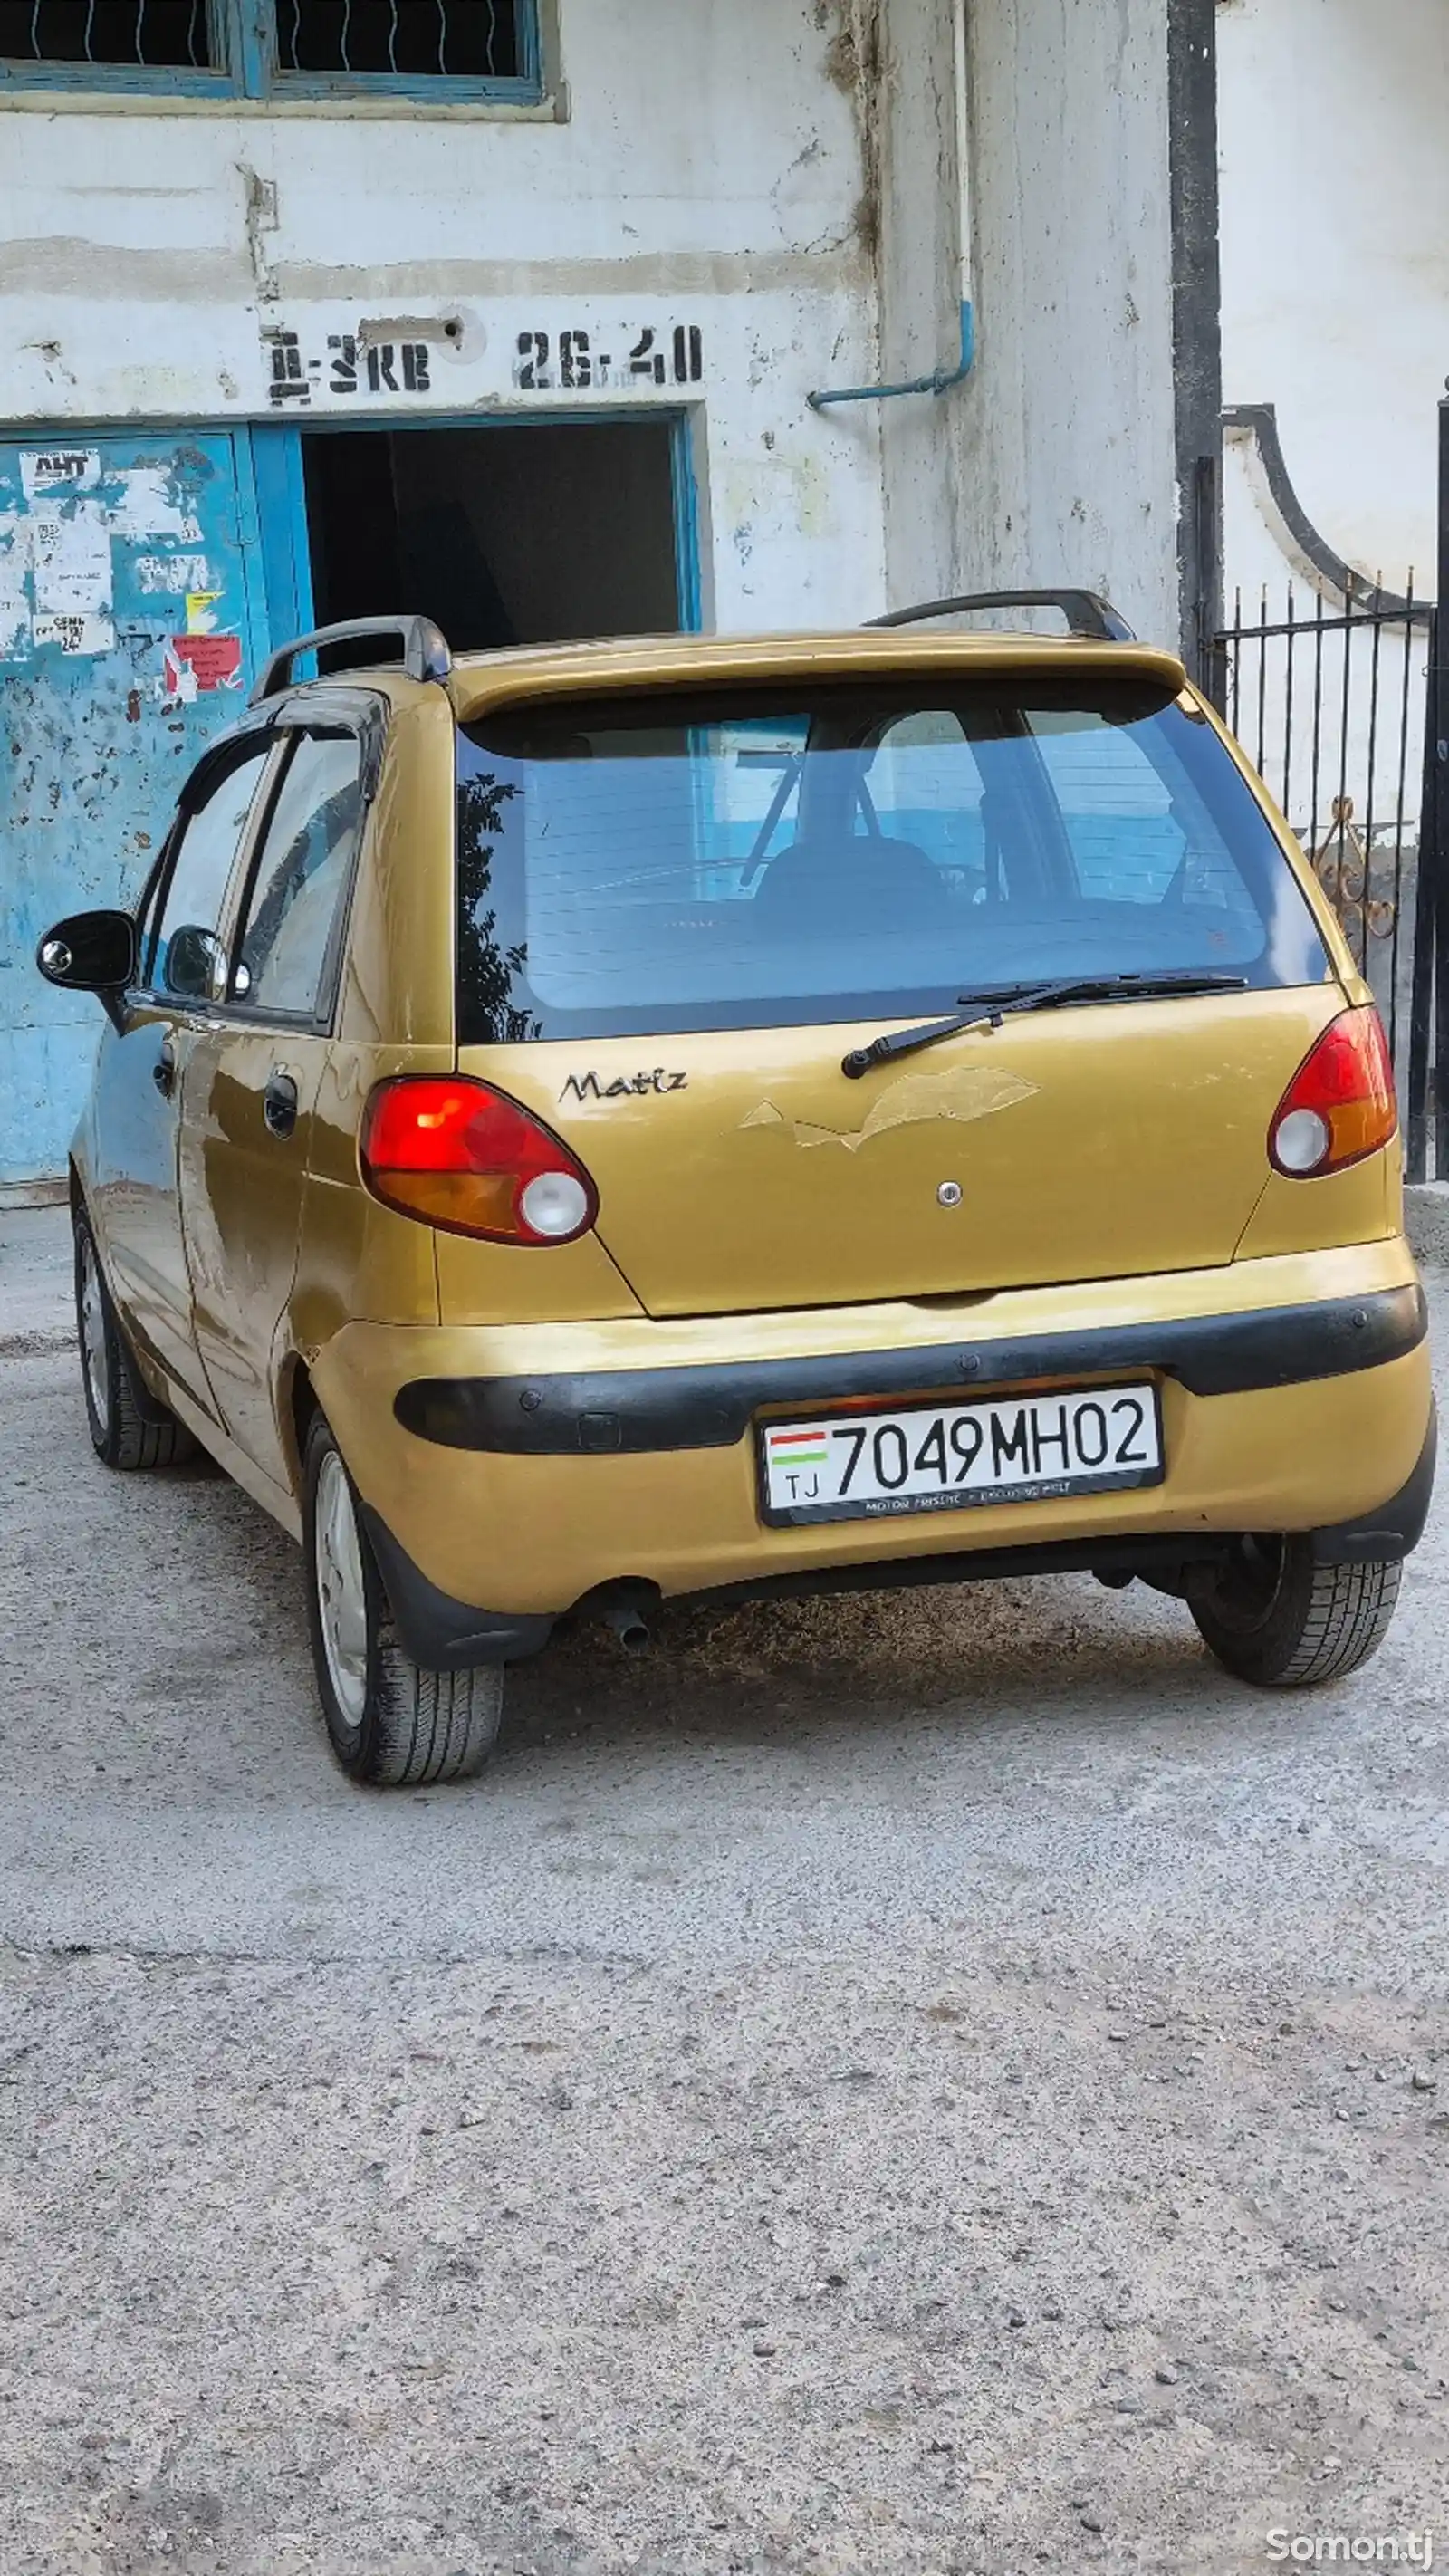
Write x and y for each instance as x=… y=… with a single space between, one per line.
x=132 y=620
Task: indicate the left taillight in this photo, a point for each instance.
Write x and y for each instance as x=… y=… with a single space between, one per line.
x=457 y=1154
x=1340 y=1103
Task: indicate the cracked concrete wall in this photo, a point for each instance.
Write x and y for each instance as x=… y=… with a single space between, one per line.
x=1055 y=462
x=779 y=177
x=919 y=283
x=1066 y=437
x=715 y=172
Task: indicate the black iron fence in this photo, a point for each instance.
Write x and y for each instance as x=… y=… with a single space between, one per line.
x=1427 y=1102
x=1346 y=715
x=1330 y=708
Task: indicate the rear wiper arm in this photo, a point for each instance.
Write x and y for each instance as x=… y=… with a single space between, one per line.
x=987 y=1010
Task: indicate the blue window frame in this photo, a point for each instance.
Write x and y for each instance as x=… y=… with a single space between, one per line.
x=453 y=50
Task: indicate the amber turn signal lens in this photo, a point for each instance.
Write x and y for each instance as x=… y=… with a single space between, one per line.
x=459 y=1155
x=1340 y=1103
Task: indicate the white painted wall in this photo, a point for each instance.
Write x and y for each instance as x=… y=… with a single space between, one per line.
x=746 y=170
x=920 y=251
x=710 y=172
x=1334 y=140
x=1055 y=463
x=1333 y=120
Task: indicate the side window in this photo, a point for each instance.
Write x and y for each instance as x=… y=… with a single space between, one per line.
x=186 y=952
x=301 y=874
x=926 y=787
x=1117 y=809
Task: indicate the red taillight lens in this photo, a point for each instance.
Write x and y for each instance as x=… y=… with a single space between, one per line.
x=1340 y=1103
x=461 y=1156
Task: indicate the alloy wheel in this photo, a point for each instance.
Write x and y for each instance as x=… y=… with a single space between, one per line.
x=94 y=1358
x=341 y=1589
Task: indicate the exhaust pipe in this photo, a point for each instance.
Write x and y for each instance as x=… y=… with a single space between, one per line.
x=631 y=1629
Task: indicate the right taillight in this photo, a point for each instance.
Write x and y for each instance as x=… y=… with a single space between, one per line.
x=457 y=1154
x=1340 y=1103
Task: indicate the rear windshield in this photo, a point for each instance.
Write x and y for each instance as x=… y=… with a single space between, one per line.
x=746 y=858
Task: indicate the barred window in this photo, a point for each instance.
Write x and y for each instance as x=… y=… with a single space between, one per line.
x=461 y=39
x=247 y=47
x=174 y=33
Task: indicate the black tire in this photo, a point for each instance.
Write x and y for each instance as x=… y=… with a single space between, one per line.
x=1274 y=1617
x=391 y=1723
x=129 y=1427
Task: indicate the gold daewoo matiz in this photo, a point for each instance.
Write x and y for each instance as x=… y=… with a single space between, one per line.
x=589 y=1126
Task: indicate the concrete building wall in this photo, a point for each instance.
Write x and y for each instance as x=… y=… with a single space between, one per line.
x=1335 y=243
x=752 y=174
x=708 y=172
x=1056 y=461
x=712 y=215
x=1335 y=283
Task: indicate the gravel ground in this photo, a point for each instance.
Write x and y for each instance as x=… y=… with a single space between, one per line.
x=932 y=2084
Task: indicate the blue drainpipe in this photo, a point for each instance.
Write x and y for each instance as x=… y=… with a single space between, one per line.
x=940 y=383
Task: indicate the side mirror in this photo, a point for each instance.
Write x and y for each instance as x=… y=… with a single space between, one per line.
x=92 y=952
x=191 y=962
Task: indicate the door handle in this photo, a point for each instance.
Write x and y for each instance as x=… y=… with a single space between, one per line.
x=279 y=1103
x=163 y=1071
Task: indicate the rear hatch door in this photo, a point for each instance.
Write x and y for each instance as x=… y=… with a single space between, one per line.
x=739 y=1174
x=681 y=911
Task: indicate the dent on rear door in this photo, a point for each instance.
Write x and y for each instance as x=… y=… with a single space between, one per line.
x=241 y=1191
x=133 y=1186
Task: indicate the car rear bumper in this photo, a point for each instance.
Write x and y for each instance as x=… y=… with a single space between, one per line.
x=527 y=1466
x=595 y=1413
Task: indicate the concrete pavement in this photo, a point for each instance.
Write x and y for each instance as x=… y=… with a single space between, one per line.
x=938 y=2083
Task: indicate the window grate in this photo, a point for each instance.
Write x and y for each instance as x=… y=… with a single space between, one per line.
x=448 y=39
x=166 y=33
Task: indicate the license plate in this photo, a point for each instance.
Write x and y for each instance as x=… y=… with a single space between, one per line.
x=957 y=1457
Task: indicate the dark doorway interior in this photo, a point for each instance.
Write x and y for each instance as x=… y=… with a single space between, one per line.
x=505 y=536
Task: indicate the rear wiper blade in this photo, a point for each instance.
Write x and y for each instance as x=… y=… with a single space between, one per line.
x=987 y=1010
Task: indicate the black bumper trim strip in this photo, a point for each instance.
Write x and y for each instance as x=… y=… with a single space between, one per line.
x=636 y=1410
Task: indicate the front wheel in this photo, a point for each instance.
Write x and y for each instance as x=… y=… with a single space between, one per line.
x=392 y=1723
x=129 y=1427
x=1273 y=1616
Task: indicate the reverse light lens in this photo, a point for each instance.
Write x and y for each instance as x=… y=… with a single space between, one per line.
x=459 y=1155
x=1302 y=1141
x=1340 y=1103
x=555 y=1205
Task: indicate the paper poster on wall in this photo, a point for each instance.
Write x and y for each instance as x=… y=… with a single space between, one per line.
x=169 y=576
x=149 y=506
x=197 y=664
x=70 y=556
x=58 y=469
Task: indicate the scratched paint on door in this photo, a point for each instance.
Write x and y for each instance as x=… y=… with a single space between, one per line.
x=113 y=550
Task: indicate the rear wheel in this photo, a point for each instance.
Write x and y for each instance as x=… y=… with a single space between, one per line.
x=129 y=1428
x=1273 y=1616
x=392 y=1722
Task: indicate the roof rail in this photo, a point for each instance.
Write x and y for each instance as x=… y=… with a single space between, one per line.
x=1084 y=612
x=425 y=653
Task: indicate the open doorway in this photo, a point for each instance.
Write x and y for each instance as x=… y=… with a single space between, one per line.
x=530 y=534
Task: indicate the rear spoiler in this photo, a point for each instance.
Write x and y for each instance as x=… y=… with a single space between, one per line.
x=1085 y=612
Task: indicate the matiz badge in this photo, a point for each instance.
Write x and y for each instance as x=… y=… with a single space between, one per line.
x=587 y=1086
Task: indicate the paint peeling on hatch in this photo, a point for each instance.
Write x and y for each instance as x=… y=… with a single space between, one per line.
x=966 y=1093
